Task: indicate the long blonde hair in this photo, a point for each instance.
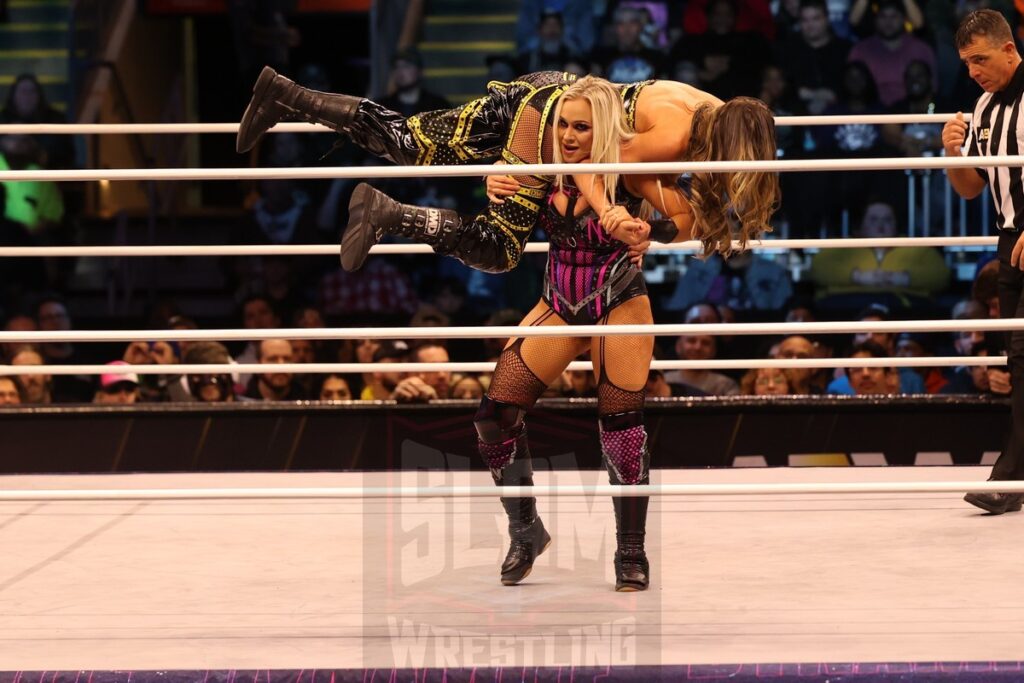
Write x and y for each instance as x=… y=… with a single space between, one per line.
x=742 y=129
x=609 y=127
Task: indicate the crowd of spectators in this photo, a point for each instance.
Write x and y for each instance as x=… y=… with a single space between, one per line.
x=262 y=313
x=799 y=56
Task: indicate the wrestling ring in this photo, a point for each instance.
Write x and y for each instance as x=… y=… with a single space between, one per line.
x=804 y=574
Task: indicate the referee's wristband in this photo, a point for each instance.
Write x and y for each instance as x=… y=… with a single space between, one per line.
x=664 y=231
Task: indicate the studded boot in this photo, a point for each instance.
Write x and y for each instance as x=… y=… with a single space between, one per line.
x=276 y=98
x=372 y=214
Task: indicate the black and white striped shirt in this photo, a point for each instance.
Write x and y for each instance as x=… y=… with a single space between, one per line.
x=997 y=128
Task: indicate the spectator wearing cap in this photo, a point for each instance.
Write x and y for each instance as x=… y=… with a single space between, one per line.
x=872 y=381
x=381 y=385
x=875 y=313
x=275 y=386
x=409 y=96
x=909 y=382
x=117 y=388
x=210 y=387
x=10 y=391
x=911 y=345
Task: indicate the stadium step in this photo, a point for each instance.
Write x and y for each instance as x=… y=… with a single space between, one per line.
x=458 y=36
x=34 y=40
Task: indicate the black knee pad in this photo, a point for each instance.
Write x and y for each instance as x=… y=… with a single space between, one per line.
x=499 y=426
x=496 y=421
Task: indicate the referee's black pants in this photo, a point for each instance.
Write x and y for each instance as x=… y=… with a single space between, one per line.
x=1010 y=464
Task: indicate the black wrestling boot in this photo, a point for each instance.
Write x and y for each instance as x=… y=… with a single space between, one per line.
x=621 y=435
x=528 y=537
x=372 y=214
x=275 y=98
x=527 y=542
x=632 y=570
x=996 y=503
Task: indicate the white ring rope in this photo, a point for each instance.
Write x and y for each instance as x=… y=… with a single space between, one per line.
x=114 y=251
x=363 y=172
x=202 y=128
x=488 y=366
x=574 y=490
x=500 y=331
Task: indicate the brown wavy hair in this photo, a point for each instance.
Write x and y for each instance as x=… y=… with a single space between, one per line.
x=742 y=129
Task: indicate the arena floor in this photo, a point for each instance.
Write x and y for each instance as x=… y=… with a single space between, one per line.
x=305 y=584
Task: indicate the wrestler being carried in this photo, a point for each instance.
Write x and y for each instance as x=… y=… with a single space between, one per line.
x=592 y=276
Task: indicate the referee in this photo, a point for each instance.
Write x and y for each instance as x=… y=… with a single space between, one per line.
x=985 y=43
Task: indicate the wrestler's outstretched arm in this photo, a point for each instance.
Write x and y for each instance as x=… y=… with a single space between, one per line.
x=664 y=194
